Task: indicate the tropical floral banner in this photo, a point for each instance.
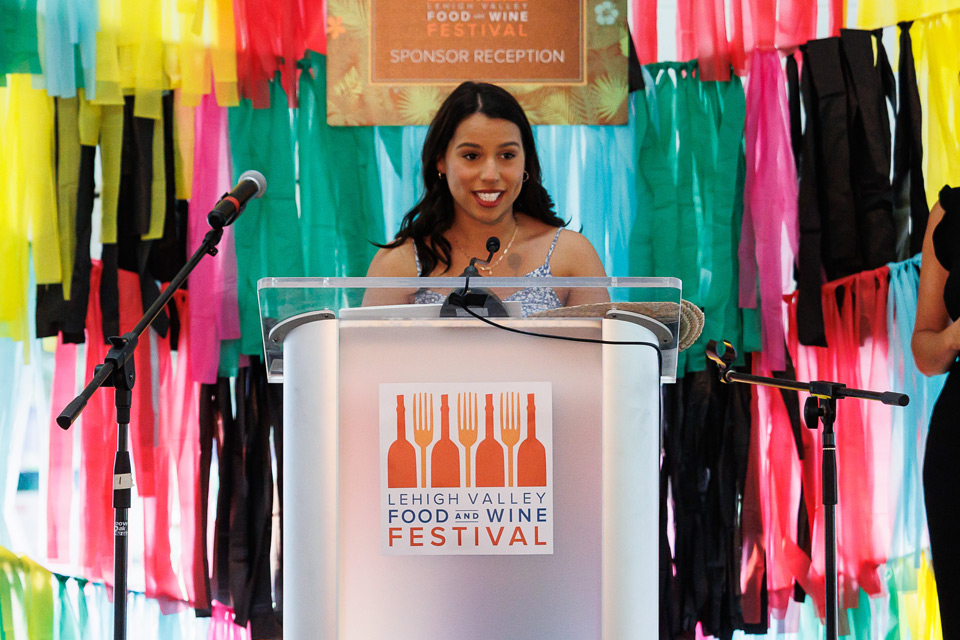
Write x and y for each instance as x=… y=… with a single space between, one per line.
x=392 y=62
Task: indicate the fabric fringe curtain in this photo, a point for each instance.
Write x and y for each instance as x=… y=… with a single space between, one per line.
x=688 y=197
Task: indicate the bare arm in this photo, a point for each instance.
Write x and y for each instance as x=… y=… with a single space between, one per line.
x=391 y=263
x=936 y=339
x=575 y=257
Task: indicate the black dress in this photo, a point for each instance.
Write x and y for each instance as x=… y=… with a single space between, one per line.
x=941 y=470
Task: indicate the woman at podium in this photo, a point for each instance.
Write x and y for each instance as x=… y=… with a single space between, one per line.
x=482 y=179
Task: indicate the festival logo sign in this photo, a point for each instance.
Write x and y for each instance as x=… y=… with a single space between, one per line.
x=466 y=469
x=392 y=62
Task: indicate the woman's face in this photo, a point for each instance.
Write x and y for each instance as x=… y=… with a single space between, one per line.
x=484 y=167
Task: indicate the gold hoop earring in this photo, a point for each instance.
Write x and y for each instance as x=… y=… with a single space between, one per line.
x=441 y=175
x=526 y=176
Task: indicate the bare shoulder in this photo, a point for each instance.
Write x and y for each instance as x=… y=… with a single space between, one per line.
x=929 y=255
x=936 y=215
x=574 y=256
x=395 y=262
x=931 y=309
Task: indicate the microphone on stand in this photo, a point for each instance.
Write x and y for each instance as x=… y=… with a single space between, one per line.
x=250 y=186
x=482 y=301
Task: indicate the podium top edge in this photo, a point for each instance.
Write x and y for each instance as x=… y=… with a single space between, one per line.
x=449 y=282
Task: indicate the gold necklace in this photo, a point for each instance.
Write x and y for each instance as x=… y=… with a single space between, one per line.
x=489 y=268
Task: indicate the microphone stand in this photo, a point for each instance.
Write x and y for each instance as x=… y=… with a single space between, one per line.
x=117 y=371
x=459 y=299
x=822 y=405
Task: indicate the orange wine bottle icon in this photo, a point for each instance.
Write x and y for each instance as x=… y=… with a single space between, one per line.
x=531 y=456
x=489 y=453
x=445 y=458
x=401 y=457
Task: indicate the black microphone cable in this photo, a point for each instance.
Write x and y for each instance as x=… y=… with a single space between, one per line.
x=631 y=343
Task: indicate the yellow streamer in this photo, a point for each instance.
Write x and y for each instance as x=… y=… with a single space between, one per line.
x=145 y=47
x=28 y=200
x=224 y=56
x=26 y=598
x=873 y=14
x=936 y=46
x=32 y=113
x=103 y=125
x=68 y=172
x=13 y=616
x=13 y=240
x=38 y=598
x=147 y=58
x=158 y=194
x=183 y=139
x=929 y=613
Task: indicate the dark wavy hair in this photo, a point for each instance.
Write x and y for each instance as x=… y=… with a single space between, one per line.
x=433 y=214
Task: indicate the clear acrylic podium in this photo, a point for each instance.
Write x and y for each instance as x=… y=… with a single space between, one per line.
x=374 y=545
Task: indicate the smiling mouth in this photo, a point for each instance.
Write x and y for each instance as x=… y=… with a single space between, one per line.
x=488 y=198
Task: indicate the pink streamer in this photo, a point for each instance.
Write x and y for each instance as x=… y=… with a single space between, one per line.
x=770 y=201
x=98 y=442
x=711 y=39
x=151 y=466
x=686 y=31
x=856 y=331
x=644 y=30
x=180 y=426
x=222 y=626
x=215 y=279
x=60 y=464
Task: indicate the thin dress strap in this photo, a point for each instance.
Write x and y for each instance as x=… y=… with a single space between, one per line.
x=552 y=246
x=416 y=258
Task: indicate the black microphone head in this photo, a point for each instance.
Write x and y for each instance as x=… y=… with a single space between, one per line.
x=257 y=177
x=493 y=244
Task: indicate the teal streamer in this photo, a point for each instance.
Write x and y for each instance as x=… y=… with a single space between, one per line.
x=69 y=46
x=267 y=236
x=69 y=628
x=585 y=169
x=910 y=423
x=19 y=47
x=340 y=195
x=400 y=172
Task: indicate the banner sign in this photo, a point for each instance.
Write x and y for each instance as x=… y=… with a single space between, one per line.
x=392 y=62
x=466 y=469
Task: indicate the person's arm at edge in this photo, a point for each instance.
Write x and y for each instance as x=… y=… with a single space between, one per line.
x=391 y=263
x=936 y=340
x=575 y=257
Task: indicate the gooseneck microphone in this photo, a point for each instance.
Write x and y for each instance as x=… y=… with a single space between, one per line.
x=493 y=245
x=482 y=301
x=251 y=185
